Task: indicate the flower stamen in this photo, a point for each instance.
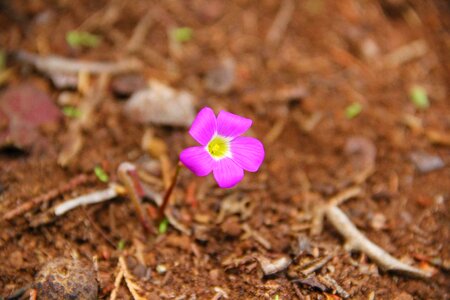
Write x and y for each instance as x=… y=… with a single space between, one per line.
x=218 y=147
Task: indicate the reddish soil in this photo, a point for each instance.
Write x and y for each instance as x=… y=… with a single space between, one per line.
x=295 y=84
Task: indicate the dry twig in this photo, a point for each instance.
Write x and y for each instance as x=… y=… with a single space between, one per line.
x=117 y=282
x=276 y=130
x=74 y=141
x=140 y=31
x=133 y=287
x=257 y=236
x=316 y=265
x=356 y=241
x=53 y=64
x=95 y=197
x=220 y=293
x=23 y=208
x=405 y=53
x=332 y=284
x=280 y=23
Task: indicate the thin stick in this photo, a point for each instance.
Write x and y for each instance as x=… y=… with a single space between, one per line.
x=140 y=31
x=168 y=193
x=131 y=284
x=117 y=282
x=75 y=138
x=405 y=53
x=344 y=195
x=281 y=22
x=23 y=208
x=95 y=197
x=56 y=64
x=356 y=241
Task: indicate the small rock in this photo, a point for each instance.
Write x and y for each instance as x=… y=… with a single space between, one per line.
x=404 y=296
x=369 y=48
x=272 y=266
x=214 y=275
x=179 y=241
x=304 y=245
x=125 y=85
x=161 y=105
x=64 y=278
x=378 y=221
x=201 y=233
x=64 y=81
x=161 y=269
x=231 y=226
x=208 y=11
x=221 y=78
x=362 y=152
x=16 y=259
x=425 y=162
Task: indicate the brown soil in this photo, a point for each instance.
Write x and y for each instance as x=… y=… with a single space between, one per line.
x=332 y=54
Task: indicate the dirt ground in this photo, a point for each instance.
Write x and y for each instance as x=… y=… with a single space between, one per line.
x=328 y=85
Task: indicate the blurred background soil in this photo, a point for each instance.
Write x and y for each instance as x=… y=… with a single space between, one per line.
x=342 y=93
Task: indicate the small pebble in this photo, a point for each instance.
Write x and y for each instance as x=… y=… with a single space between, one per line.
x=403 y=296
x=125 y=85
x=378 y=221
x=221 y=78
x=231 y=227
x=161 y=269
x=425 y=162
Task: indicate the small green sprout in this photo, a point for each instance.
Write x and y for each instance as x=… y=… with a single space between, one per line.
x=277 y=297
x=82 y=39
x=419 y=97
x=162 y=228
x=121 y=245
x=353 y=110
x=182 y=34
x=101 y=174
x=71 y=112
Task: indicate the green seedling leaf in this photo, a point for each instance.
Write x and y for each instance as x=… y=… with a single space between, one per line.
x=353 y=110
x=182 y=34
x=419 y=97
x=71 y=112
x=121 y=245
x=101 y=174
x=277 y=297
x=82 y=39
x=162 y=228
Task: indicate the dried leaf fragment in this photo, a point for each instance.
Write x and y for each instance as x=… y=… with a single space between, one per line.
x=272 y=266
x=25 y=108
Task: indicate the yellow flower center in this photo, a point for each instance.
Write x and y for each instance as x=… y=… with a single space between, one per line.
x=218 y=147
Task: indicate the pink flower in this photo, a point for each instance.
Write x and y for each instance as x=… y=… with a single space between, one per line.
x=223 y=151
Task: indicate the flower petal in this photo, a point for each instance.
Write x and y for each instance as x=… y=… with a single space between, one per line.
x=247 y=152
x=204 y=126
x=197 y=160
x=231 y=125
x=227 y=173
